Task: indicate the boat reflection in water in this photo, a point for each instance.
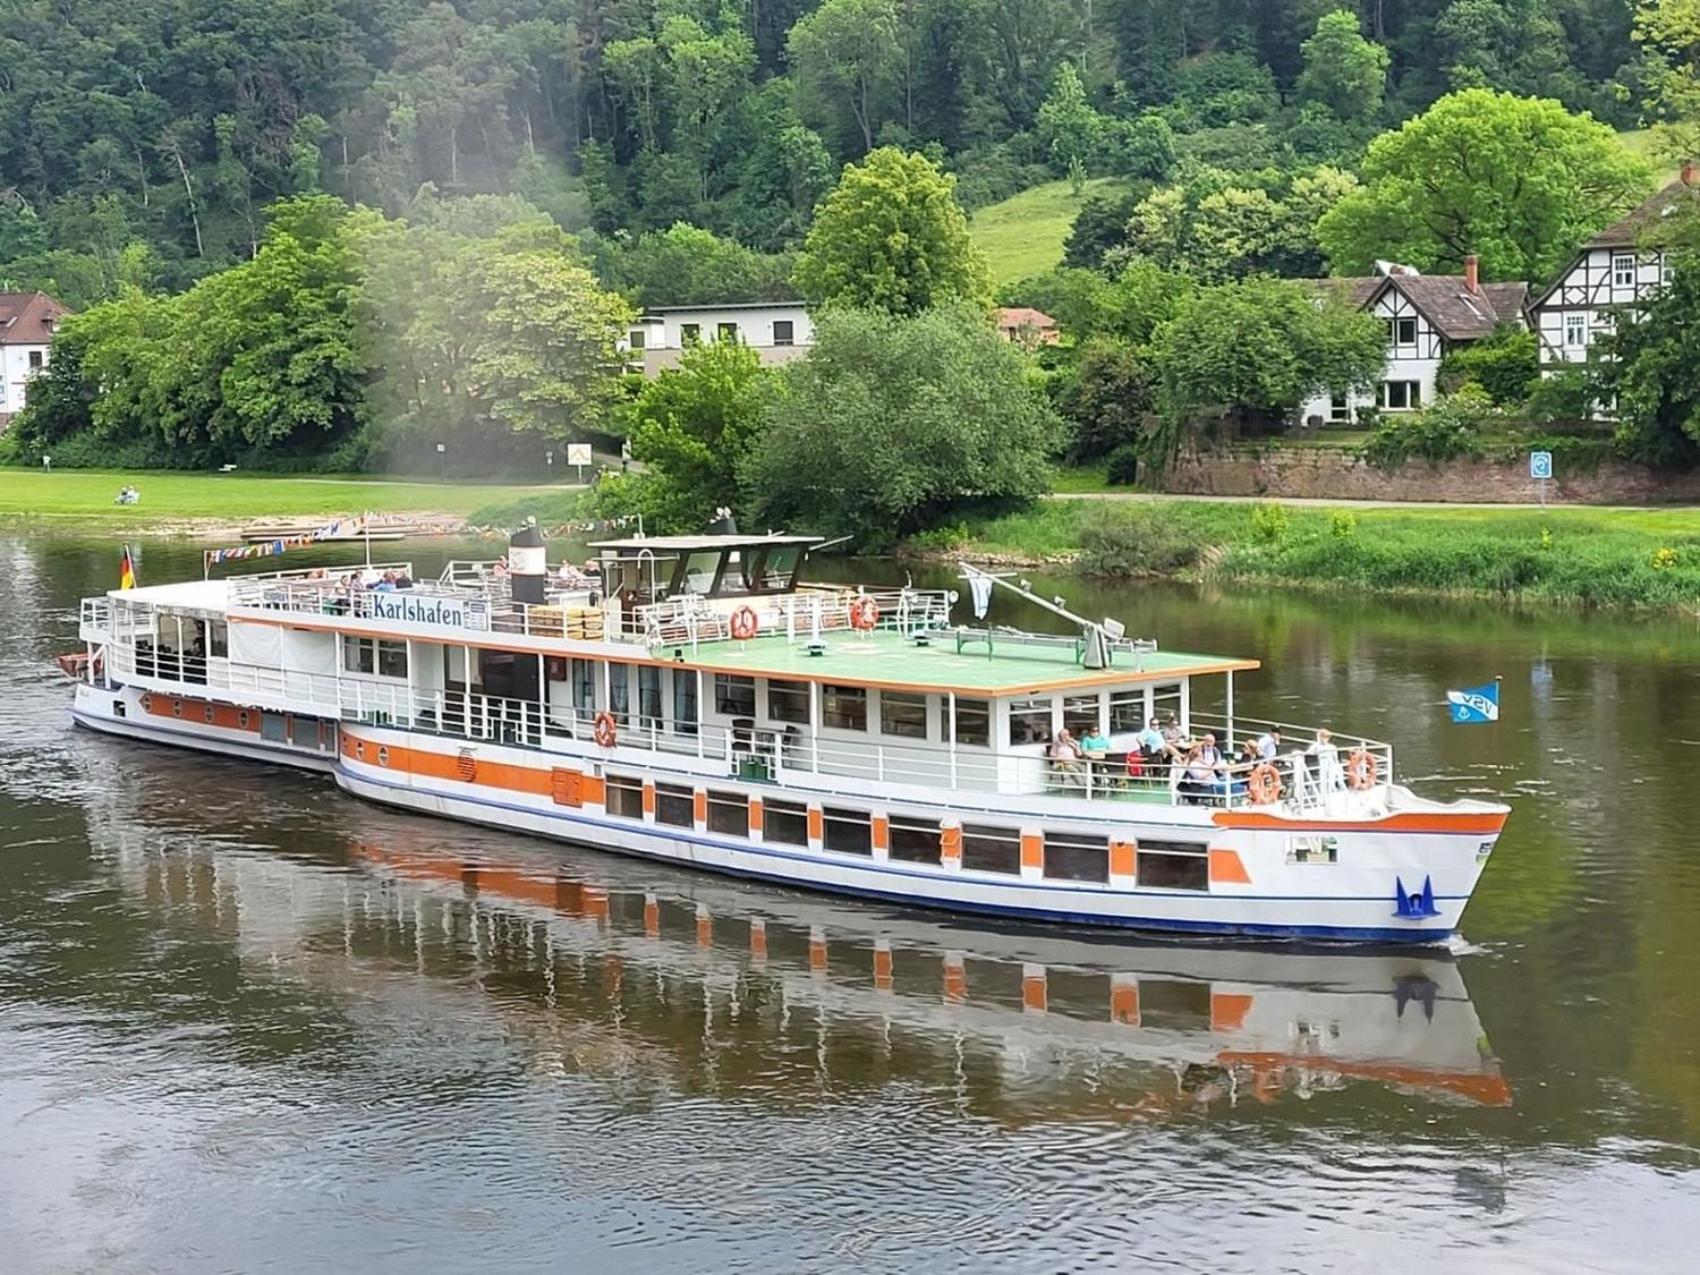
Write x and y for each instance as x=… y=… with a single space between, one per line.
x=1195 y=1027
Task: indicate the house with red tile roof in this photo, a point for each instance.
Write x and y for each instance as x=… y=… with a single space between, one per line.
x=27 y=323
x=1027 y=326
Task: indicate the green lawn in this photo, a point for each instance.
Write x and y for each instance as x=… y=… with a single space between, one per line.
x=1024 y=234
x=88 y=494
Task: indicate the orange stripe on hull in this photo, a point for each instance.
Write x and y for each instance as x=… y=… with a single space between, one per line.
x=1480 y=824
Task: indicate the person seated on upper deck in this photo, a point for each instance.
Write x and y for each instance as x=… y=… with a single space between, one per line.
x=385 y=583
x=1206 y=772
x=403 y=580
x=1065 y=755
x=1269 y=744
x=1251 y=752
x=1094 y=743
x=1173 y=740
x=1150 y=741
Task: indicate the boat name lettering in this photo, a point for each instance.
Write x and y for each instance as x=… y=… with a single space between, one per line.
x=460 y=613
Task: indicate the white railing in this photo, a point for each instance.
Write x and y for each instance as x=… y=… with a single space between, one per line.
x=691 y=618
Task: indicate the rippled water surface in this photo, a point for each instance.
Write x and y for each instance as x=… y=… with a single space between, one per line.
x=247 y=1023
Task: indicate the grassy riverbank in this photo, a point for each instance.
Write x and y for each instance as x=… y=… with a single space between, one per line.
x=1593 y=557
x=177 y=501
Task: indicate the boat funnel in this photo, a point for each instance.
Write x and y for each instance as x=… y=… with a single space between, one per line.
x=528 y=568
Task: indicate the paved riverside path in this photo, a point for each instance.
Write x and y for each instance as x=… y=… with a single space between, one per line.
x=1319 y=502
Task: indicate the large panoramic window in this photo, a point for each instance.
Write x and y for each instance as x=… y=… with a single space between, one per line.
x=785 y=823
x=675 y=804
x=844 y=707
x=974 y=722
x=1030 y=721
x=734 y=696
x=989 y=849
x=847 y=831
x=788 y=701
x=903 y=713
x=1173 y=865
x=1070 y=856
x=685 y=701
x=913 y=840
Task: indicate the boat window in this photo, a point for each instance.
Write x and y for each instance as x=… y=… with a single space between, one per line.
x=392 y=659
x=729 y=813
x=844 y=707
x=359 y=655
x=913 y=840
x=903 y=713
x=584 y=684
x=1071 y=856
x=649 y=694
x=620 y=692
x=218 y=647
x=788 y=701
x=779 y=567
x=304 y=732
x=990 y=849
x=1030 y=721
x=734 y=696
x=847 y=831
x=675 y=804
x=739 y=575
x=700 y=569
x=974 y=722
x=623 y=796
x=1127 y=712
x=1080 y=714
x=1166 y=701
x=685 y=701
x=785 y=823
x=1173 y=865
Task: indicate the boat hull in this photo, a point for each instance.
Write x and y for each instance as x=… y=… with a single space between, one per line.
x=1255 y=890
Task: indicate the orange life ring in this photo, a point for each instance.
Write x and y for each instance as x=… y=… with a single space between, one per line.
x=1362 y=770
x=1264 y=784
x=864 y=613
x=606 y=733
x=745 y=623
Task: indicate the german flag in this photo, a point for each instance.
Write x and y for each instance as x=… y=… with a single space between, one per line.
x=126 y=570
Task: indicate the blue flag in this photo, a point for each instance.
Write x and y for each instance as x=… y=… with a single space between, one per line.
x=1475 y=704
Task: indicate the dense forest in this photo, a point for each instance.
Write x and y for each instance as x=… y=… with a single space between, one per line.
x=140 y=143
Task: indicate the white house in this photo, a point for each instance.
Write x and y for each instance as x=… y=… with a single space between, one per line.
x=1623 y=264
x=27 y=320
x=778 y=331
x=1427 y=316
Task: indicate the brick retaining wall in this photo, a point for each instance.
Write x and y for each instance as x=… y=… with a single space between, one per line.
x=1330 y=474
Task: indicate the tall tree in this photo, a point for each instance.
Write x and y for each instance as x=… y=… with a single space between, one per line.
x=892 y=237
x=846 y=58
x=1343 y=71
x=1520 y=181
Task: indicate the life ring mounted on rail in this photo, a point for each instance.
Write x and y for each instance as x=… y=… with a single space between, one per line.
x=745 y=623
x=605 y=730
x=1264 y=784
x=1362 y=770
x=864 y=613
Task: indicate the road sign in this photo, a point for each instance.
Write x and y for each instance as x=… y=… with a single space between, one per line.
x=579 y=454
x=1540 y=465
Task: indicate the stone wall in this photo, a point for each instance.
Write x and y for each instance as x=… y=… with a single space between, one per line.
x=1299 y=473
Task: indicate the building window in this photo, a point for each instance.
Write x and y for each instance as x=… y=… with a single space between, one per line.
x=847 y=831
x=35 y=360
x=784 y=332
x=728 y=332
x=913 y=840
x=788 y=702
x=734 y=696
x=1338 y=408
x=675 y=805
x=974 y=722
x=989 y=849
x=1401 y=396
x=623 y=796
x=1030 y=721
x=729 y=813
x=690 y=334
x=1623 y=271
x=635 y=339
x=1576 y=330
x=844 y=707
x=1402 y=331
x=903 y=713
x=785 y=823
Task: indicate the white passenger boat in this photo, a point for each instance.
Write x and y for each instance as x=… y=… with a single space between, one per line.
x=698 y=704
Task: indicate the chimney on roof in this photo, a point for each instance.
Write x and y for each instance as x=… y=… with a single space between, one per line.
x=1473 y=274
x=1688 y=172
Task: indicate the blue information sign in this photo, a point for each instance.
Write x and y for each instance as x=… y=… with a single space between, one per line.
x=1540 y=464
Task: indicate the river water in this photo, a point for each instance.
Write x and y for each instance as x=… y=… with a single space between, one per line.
x=250 y=1024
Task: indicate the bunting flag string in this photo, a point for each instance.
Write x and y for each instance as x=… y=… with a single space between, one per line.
x=282 y=544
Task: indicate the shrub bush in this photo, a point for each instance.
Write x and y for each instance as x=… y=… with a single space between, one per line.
x=1133 y=542
x=1122 y=467
x=1448 y=430
x=1269 y=522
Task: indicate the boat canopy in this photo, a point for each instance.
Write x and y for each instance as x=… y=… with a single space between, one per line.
x=644 y=570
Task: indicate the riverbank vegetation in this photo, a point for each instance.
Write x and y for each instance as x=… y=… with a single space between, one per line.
x=1591 y=557
x=169 y=500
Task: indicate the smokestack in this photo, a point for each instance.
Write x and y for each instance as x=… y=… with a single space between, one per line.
x=1473 y=273
x=528 y=568
x=1687 y=172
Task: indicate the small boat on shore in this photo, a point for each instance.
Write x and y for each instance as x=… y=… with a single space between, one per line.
x=698 y=702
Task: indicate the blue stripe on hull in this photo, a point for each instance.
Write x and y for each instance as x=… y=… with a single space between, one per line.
x=1221 y=929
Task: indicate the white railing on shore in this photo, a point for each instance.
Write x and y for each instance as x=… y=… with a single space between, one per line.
x=1304 y=780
